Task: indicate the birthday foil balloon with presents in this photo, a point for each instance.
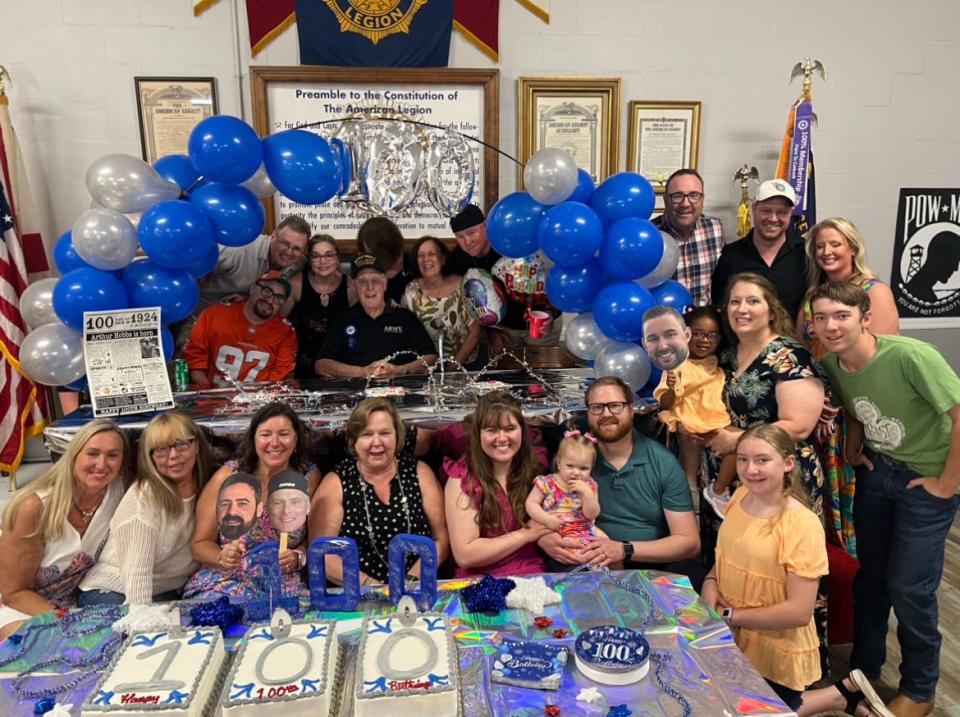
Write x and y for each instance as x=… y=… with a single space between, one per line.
x=524 y=278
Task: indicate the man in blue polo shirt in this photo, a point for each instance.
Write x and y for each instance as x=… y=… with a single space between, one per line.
x=645 y=504
x=361 y=338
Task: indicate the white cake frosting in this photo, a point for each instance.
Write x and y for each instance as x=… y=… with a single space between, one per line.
x=158 y=672
x=291 y=675
x=410 y=670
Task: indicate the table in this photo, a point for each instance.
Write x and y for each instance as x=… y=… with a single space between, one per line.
x=704 y=664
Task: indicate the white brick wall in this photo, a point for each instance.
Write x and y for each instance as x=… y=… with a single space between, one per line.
x=888 y=111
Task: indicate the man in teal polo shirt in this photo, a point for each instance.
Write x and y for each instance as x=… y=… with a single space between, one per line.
x=645 y=505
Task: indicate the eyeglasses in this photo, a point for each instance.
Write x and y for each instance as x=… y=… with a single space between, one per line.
x=710 y=335
x=288 y=247
x=328 y=256
x=615 y=408
x=181 y=446
x=678 y=197
x=271 y=295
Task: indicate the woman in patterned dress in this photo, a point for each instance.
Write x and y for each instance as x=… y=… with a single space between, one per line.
x=837 y=252
x=378 y=492
x=54 y=528
x=437 y=299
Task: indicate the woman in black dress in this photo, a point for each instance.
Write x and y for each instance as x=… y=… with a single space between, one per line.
x=319 y=293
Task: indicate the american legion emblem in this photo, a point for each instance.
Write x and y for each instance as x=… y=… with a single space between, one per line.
x=375 y=19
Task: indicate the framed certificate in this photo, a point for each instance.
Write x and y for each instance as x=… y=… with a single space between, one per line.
x=580 y=115
x=169 y=108
x=663 y=137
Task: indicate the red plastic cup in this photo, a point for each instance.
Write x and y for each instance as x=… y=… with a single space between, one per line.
x=537 y=319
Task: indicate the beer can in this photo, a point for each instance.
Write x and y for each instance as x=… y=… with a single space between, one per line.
x=181 y=375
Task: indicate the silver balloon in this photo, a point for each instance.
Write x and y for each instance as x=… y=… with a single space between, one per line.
x=550 y=176
x=127 y=184
x=260 y=184
x=36 y=303
x=583 y=337
x=624 y=360
x=134 y=217
x=350 y=134
x=105 y=239
x=451 y=174
x=394 y=169
x=667 y=265
x=52 y=354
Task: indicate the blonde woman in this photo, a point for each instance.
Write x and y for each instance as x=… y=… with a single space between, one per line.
x=55 y=527
x=147 y=557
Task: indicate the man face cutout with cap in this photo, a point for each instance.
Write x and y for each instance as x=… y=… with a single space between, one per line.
x=288 y=502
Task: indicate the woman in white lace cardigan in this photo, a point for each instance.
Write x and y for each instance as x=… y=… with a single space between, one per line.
x=147 y=557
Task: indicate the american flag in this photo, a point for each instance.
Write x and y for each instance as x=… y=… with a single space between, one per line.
x=21 y=402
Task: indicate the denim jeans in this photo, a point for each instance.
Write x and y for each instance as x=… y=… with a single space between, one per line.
x=89 y=598
x=900 y=544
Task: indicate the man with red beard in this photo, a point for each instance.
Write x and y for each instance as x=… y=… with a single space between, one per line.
x=645 y=505
x=244 y=341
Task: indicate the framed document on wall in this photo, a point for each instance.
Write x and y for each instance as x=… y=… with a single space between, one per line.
x=169 y=108
x=434 y=104
x=663 y=137
x=578 y=114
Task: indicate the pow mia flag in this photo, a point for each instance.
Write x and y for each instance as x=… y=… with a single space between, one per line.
x=926 y=256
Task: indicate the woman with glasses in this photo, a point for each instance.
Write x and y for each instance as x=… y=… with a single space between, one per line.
x=147 y=556
x=277 y=440
x=436 y=297
x=319 y=293
x=53 y=528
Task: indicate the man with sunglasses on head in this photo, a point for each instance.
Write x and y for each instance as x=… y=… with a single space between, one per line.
x=699 y=238
x=361 y=340
x=645 y=504
x=244 y=341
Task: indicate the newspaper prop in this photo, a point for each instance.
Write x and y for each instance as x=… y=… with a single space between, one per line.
x=124 y=358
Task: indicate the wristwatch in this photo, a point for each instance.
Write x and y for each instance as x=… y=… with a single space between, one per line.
x=727 y=614
x=627 y=551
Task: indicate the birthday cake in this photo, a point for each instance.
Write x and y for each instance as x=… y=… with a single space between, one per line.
x=174 y=675
x=407 y=668
x=529 y=664
x=276 y=673
x=612 y=655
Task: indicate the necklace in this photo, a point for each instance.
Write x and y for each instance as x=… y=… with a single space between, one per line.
x=366 y=509
x=324 y=296
x=86 y=515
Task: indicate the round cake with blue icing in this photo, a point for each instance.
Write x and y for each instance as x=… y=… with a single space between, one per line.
x=612 y=655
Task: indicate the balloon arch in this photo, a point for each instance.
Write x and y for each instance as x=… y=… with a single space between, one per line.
x=593 y=247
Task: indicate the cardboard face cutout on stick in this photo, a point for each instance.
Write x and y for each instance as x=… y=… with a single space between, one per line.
x=666 y=340
x=288 y=502
x=238 y=505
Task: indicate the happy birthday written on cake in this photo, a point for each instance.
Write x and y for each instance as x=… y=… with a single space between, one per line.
x=536 y=663
x=409 y=685
x=134 y=698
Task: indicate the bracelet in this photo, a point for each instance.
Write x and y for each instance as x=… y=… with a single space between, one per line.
x=710 y=577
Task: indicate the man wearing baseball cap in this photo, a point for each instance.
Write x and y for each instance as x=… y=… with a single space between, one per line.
x=361 y=338
x=773 y=248
x=244 y=341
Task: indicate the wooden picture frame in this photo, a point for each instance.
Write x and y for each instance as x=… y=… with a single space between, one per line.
x=663 y=136
x=578 y=114
x=286 y=97
x=168 y=108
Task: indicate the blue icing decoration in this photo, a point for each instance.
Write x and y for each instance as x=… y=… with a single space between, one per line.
x=176 y=698
x=201 y=638
x=242 y=691
x=317 y=631
x=103 y=698
x=436 y=623
x=264 y=634
x=377 y=685
x=438 y=679
x=378 y=627
x=146 y=640
x=309 y=685
x=612 y=647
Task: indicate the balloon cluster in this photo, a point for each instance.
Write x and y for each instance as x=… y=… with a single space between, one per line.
x=177 y=214
x=611 y=263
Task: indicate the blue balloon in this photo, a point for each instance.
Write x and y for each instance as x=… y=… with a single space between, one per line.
x=513 y=223
x=234 y=212
x=626 y=194
x=87 y=289
x=631 y=248
x=655 y=375
x=673 y=294
x=206 y=263
x=342 y=153
x=65 y=256
x=585 y=187
x=619 y=309
x=225 y=149
x=570 y=233
x=79 y=385
x=178 y=169
x=573 y=289
x=175 y=233
x=302 y=166
x=166 y=341
x=173 y=290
